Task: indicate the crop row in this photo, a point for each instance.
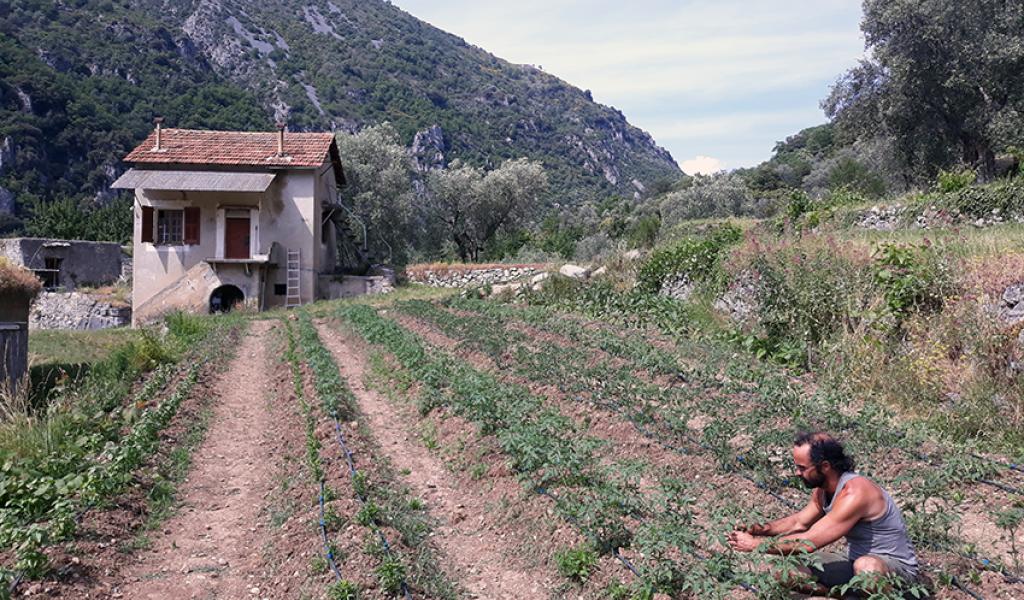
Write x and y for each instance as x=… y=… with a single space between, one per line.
x=383 y=503
x=341 y=589
x=656 y=412
x=872 y=430
x=43 y=503
x=670 y=541
x=719 y=368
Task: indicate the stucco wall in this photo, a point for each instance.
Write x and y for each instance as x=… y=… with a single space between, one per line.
x=288 y=213
x=81 y=263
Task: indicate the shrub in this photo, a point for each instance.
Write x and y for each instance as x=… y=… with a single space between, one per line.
x=799 y=204
x=805 y=292
x=16 y=281
x=695 y=259
x=954 y=181
x=1006 y=198
x=600 y=299
x=576 y=563
x=910 y=278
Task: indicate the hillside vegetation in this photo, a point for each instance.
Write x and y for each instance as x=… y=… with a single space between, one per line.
x=80 y=83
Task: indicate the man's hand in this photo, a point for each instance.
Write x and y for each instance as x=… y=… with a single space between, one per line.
x=741 y=541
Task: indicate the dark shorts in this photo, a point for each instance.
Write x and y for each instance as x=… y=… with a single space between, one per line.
x=837 y=569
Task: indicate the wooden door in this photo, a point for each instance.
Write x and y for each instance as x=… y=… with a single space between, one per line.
x=236 y=237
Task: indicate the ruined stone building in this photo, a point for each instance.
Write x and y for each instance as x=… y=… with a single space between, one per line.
x=65 y=264
x=64 y=267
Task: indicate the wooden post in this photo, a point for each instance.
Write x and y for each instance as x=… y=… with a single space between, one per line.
x=13 y=355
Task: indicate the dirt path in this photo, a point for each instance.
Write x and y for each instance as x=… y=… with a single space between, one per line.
x=479 y=558
x=211 y=548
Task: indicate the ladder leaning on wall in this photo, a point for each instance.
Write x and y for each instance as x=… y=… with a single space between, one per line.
x=294 y=292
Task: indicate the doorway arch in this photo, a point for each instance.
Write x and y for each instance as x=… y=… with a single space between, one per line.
x=225 y=298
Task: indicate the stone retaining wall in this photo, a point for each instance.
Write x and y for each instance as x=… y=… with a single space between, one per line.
x=463 y=277
x=74 y=310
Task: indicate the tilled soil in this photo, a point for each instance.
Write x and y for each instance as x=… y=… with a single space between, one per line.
x=212 y=548
x=628 y=443
x=480 y=556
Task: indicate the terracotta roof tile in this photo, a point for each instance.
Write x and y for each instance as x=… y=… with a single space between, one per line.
x=193 y=146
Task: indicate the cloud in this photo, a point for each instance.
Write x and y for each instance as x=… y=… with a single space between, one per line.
x=704 y=165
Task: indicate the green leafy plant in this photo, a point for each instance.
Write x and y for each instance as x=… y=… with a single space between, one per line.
x=695 y=259
x=368 y=515
x=954 y=181
x=576 y=563
x=874 y=586
x=343 y=590
x=1011 y=520
x=910 y=277
x=391 y=575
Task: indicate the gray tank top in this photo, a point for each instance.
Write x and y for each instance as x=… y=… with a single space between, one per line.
x=886 y=536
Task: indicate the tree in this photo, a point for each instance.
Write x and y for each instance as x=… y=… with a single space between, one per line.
x=474 y=206
x=69 y=219
x=380 y=188
x=941 y=79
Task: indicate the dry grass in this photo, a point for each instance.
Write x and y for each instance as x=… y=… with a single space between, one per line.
x=16 y=281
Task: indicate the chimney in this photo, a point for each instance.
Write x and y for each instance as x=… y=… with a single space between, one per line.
x=158 y=121
x=280 y=139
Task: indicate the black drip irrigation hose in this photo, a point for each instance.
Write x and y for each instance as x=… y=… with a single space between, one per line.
x=963 y=588
x=362 y=499
x=15 y=583
x=328 y=552
x=1002 y=486
x=1008 y=465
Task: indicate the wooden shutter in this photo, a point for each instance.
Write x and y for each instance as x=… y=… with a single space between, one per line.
x=147 y=224
x=191 y=225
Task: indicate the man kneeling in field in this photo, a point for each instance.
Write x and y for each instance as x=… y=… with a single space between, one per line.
x=843 y=504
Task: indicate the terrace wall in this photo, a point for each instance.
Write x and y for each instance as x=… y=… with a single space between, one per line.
x=73 y=310
x=465 y=276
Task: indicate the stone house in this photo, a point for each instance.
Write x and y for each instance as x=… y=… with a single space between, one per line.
x=224 y=218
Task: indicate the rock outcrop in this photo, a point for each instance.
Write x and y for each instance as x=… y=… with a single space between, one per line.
x=428 y=148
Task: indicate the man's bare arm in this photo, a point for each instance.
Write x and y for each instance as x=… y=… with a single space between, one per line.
x=797 y=522
x=847 y=511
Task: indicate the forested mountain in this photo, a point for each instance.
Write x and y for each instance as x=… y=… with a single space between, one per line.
x=81 y=80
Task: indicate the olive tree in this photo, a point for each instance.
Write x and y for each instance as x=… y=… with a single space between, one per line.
x=379 y=187
x=474 y=206
x=941 y=79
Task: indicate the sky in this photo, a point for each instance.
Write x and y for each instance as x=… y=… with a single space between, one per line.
x=717 y=83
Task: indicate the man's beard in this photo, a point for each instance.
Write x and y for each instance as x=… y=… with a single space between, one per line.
x=815 y=482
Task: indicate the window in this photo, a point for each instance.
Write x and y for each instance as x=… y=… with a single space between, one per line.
x=280 y=289
x=170 y=226
x=50 y=273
